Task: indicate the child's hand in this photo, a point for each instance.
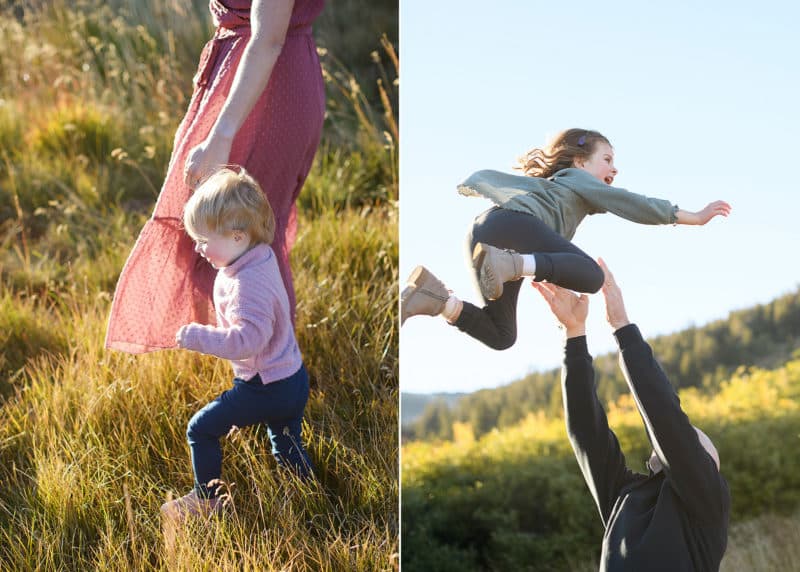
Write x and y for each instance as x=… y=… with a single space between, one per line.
x=179 y=336
x=717 y=208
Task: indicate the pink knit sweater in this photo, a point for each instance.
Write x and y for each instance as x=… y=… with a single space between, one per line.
x=254 y=330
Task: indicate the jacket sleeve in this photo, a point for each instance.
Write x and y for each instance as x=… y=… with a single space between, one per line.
x=241 y=340
x=250 y=330
x=596 y=447
x=691 y=471
x=605 y=198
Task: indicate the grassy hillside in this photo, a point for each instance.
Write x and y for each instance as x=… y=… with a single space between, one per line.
x=91 y=441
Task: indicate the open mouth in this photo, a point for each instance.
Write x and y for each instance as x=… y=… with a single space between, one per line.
x=609 y=180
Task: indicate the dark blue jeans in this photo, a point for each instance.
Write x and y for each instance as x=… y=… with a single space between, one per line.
x=278 y=405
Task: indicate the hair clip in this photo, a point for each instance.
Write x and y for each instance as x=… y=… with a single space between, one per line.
x=581 y=140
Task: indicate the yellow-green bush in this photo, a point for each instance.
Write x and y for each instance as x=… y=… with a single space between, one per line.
x=515 y=499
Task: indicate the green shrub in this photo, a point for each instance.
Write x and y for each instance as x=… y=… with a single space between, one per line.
x=515 y=499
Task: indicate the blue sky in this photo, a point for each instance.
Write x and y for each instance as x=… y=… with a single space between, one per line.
x=700 y=103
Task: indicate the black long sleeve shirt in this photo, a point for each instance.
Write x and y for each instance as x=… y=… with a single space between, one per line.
x=673 y=520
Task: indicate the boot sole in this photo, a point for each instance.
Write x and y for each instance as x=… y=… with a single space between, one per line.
x=415 y=276
x=478 y=256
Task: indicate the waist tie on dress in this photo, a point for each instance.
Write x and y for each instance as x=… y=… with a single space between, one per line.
x=223 y=36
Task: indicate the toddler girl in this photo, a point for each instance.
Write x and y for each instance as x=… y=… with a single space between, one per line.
x=232 y=225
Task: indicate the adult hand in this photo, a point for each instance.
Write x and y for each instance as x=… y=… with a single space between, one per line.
x=569 y=309
x=615 y=306
x=205 y=158
x=701 y=217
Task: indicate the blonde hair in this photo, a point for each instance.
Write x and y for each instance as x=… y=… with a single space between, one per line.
x=560 y=153
x=227 y=201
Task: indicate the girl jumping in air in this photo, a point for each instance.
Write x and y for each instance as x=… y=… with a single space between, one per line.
x=232 y=225
x=528 y=233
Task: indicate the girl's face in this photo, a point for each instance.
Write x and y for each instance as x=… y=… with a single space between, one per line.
x=600 y=163
x=221 y=250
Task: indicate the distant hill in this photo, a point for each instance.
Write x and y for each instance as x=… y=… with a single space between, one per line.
x=413 y=404
x=765 y=335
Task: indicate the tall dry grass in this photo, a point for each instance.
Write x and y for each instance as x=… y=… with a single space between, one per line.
x=769 y=543
x=91 y=441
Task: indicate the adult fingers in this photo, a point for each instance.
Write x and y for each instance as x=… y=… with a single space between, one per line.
x=609 y=277
x=547 y=293
x=194 y=167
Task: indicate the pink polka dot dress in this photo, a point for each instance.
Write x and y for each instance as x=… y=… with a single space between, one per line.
x=164 y=283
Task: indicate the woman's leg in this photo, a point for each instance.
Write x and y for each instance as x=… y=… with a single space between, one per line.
x=557 y=261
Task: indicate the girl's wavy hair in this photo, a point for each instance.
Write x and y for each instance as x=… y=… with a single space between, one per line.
x=229 y=200
x=560 y=153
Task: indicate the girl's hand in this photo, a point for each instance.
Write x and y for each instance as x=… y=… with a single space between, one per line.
x=717 y=208
x=205 y=158
x=179 y=336
x=570 y=310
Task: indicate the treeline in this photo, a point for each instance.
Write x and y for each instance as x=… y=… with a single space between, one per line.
x=701 y=357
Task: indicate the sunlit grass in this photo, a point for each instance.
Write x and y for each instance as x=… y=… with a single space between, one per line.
x=765 y=544
x=91 y=441
x=86 y=422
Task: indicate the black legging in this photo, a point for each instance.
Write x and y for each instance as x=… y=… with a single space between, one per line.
x=557 y=261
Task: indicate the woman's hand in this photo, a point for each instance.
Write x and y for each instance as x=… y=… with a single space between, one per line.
x=569 y=309
x=206 y=158
x=701 y=217
x=615 y=306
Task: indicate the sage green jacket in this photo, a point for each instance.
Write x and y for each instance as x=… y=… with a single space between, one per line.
x=563 y=200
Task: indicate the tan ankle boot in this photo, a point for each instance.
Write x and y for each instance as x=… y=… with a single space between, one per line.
x=191 y=505
x=495 y=267
x=425 y=294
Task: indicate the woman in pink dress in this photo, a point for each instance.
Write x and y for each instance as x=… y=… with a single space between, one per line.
x=259 y=102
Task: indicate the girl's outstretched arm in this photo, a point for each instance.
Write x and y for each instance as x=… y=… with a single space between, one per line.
x=701 y=217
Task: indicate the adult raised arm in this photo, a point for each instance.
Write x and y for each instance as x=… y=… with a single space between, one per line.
x=596 y=447
x=693 y=471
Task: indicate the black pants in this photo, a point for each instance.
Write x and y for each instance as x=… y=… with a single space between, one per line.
x=557 y=261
